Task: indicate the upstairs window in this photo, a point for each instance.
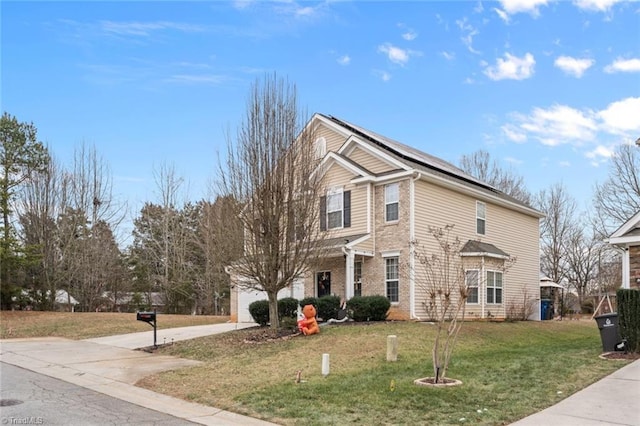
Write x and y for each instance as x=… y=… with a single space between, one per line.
x=471 y=278
x=335 y=204
x=391 y=202
x=335 y=209
x=481 y=217
x=320 y=148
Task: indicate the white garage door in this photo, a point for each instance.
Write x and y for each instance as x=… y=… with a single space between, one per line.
x=246 y=297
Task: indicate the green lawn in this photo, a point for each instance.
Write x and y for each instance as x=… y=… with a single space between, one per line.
x=508 y=370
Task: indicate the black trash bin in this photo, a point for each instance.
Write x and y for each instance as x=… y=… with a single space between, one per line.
x=608 y=325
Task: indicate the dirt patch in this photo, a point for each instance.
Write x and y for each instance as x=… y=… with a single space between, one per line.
x=442 y=382
x=265 y=335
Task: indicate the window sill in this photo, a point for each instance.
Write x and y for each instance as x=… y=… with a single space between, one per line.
x=392 y=222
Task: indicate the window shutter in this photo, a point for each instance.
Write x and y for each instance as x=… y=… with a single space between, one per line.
x=323 y=213
x=346 y=198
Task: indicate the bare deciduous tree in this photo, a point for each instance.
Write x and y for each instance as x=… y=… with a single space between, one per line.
x=583 y=251
x=87 y=227
x=556 y=228
x=41 y=202
x=270 y=169
x=219 y=241
x=618 y=198
x=480 y=165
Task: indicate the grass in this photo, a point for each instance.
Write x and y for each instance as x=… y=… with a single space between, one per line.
x=508 y=370
x=84 y=325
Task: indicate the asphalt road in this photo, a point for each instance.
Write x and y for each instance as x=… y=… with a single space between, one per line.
x=29 y=398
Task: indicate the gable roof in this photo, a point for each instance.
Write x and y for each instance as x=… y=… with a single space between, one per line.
x=628 y=231
x=425 y=163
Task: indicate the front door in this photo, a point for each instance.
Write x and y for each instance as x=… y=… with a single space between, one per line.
x=323 y=283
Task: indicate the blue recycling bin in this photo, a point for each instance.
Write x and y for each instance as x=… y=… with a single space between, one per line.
x=546 y=309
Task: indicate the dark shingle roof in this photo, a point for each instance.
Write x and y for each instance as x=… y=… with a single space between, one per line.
x=422 y=161
x=474 y=246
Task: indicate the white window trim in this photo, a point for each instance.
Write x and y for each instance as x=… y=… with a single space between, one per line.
x=334 y=192
x=390 y=253
x=386 y=280
x=477 y=286
x=397 y=201
x=484 y=217
x=493 y=287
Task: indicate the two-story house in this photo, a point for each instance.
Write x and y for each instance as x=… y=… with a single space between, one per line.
x=380 y=195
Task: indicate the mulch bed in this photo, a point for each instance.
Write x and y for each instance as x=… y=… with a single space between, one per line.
x=621 y=355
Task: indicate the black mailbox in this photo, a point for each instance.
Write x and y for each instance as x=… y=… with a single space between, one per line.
x=146 y=316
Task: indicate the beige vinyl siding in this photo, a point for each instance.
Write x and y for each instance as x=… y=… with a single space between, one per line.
x=338 y=176
x=369 y=161
x=366 y=245
x=515 y=233
x=334 y=140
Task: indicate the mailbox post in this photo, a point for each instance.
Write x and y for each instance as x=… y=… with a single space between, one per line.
x=149 y=318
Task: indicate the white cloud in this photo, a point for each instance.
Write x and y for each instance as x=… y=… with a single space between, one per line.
x=382 y=75
x=564 y=163
x=410 y=35
x=502 y=14
x=344 y=60
x=623 y=65
x=512 y=160
x=511 y=7
x=595 y=5
x=208 y=79
x=558 y=125
x=622 y=117
x=511 y=68
x=600 y=151
x=449 y=56
x=513 y=133
x=146 y=28
x=596 y=130
x=395 y=54
x=573 y=66
x=468 y=33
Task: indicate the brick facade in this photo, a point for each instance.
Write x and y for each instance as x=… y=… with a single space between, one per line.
x=634 y=267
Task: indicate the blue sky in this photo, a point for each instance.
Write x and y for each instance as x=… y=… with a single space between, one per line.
x=548 y=88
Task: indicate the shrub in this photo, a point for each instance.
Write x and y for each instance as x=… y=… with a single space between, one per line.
x=328 y=307
x=629 y=317
x=288 y=323
x=358 y=308
x=378 y=308
x=309 y=301
x=259 y=311
x=288 y=308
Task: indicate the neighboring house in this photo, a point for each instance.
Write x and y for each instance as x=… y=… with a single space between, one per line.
x=132 y=301
x=627 y=239
x=381 y=195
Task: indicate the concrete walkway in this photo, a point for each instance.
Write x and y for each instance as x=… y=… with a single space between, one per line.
x=109 y=366
x=614 y=400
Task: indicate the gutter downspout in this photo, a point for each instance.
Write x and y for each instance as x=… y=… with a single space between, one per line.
x=412 y=237
x=348 y=282
x=482 y=288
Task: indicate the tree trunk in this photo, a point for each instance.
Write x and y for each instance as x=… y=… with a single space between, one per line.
x=273 y=310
